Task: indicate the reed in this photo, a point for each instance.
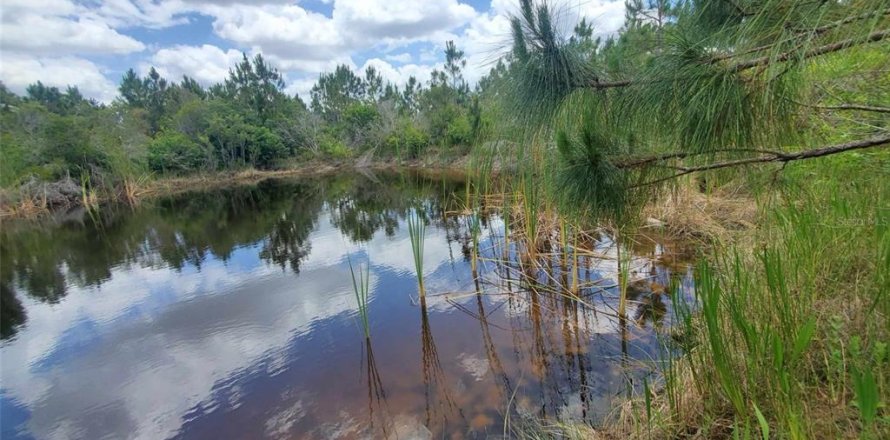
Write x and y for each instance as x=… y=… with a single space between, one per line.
x=88 y=196
x=475 y=229
x=417 y=234
x=361 y=288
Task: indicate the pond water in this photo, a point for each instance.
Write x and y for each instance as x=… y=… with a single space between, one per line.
x=231 y=314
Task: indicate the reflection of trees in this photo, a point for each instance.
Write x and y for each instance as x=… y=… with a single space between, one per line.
x=12 y=314
x=188 y=229
x=378 y=203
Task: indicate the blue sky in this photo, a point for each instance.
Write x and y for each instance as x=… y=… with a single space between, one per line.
x=90 y=43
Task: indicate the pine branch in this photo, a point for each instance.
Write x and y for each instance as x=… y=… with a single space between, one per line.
x=860 y=107
x=772 y=156
x=766 y=60
x=802 y=32
x=818 y=51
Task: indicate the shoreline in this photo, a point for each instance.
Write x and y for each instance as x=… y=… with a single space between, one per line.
x=33 y=208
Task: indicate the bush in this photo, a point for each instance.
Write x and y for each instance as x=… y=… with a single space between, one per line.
x=407 y=140
x=174 y=152
x=460 y=131
x=265 y=146
x=68 y=142
x=333 y=147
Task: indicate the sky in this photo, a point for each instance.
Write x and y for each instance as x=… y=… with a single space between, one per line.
x=91 y=43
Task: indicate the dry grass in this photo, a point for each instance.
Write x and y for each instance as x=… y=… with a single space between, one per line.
x=710 y=218
x=27 y=207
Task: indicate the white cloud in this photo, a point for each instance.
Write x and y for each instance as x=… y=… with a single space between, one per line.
x=484 y=41
x=298 y=39
x=399 y=75
x=17 y=71
x=300 y=42
x=206 y=63
x=606 y=16
x=287 y=32
x=387 y=19
x=28 y=30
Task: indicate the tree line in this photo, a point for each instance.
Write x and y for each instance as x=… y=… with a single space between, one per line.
x=710 y=83
x=161 y=126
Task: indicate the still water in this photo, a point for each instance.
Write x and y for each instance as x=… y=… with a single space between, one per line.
x=231 y=314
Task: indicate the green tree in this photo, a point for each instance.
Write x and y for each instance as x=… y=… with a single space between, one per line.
x=335 y=91
x=257 y=86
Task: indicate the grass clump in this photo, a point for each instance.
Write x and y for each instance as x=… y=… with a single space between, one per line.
x=361 y=288
x=417 y=232
x=790 y=338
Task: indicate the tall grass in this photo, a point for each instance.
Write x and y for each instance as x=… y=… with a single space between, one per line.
x=417 y=234
x=791 y=336
x=474 y=225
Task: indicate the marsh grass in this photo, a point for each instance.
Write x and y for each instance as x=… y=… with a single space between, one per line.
x=417 y=235
x=787 y=334
x=89 y=198
x=788 y=339
x=361 y=289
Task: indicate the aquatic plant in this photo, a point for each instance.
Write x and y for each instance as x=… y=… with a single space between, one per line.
x=88 y=196
x=361 y=288
x=417 y=233
x=474 y=225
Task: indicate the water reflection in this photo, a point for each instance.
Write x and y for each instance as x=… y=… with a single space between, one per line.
x=230 y=313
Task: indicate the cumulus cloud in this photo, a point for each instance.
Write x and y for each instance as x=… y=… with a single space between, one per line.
x=400 y=74
x=207 y=64
x=27 y=27
x=287 y=32
x=299 y=41
x=18 y=71
x=387 y=19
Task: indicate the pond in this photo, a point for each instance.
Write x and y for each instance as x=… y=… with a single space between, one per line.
x=231 y=314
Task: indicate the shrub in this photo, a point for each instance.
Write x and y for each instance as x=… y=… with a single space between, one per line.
x=174 y=152
x=407 y=140
x=460 y=131
x=265 y=146
x=334 y=148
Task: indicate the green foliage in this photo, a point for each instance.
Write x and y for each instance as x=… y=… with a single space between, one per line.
x=237 y=142
x=180 y=127
x=406 y=141
x=174 y=152
x=417 y=234
x=334 y=148
x=68 y=143
x=336 y=91
x=256 y=86
x=459 y=131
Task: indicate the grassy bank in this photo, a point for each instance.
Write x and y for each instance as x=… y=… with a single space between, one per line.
x=789 y=335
